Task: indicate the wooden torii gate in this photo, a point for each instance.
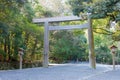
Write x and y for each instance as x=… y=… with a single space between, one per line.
x=48 y=28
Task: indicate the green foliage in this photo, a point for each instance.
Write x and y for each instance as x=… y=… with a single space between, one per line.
x=104 y=58
x=106 y=8
x=116 y=36
x=67 y=46
x=2 y=55
x=3 y=29
x=17 y=29
x=102 y=44
x=79 y=6
x=98 y=8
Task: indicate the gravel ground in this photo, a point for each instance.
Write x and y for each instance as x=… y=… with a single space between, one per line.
x=79 y=71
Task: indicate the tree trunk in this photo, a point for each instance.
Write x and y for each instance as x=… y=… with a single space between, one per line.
x=33 y=50
x=34 y=47
x=5 y=45
x=26 y=39
x=8 y=47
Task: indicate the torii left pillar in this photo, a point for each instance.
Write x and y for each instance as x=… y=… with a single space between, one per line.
x=46 y=45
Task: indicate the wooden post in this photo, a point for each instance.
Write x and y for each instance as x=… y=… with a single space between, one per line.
x=20 y=61
x=20 y=52
x=113 y=50
x=113 y=58
x=46 y=45
x=92 y=59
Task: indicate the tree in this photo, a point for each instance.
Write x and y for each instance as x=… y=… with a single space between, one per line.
x=108 y=10
x=16 y=19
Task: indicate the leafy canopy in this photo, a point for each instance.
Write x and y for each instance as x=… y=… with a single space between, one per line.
x=98 y=8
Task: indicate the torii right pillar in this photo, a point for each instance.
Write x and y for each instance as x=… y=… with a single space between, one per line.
x=92 y=56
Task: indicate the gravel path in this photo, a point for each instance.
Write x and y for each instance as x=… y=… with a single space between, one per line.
x=79 y=71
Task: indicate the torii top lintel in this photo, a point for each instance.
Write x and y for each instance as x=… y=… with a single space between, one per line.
x=57 y=19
